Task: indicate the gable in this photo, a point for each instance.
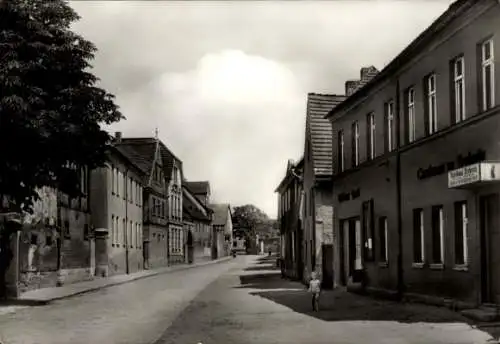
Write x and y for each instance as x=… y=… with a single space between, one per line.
x=319 y=132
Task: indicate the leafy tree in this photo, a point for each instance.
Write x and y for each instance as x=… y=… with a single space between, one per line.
x=249 y=216
x=50 y=107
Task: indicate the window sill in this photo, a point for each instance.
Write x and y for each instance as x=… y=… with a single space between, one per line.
x=437 y=266
x=417 y=265
x=462 y=267
x=383 y=264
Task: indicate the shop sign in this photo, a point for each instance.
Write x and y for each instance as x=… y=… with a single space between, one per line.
x=465 y=175
x=442 y=168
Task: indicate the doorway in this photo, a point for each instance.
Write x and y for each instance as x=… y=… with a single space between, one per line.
x=351 y=249
x=327 y=266
x=490 y=255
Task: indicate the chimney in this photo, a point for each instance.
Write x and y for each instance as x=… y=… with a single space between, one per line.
x=367 y=73
x=351 y=87
x=118 y=136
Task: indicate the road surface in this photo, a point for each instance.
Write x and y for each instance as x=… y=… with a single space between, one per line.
x=241 y=301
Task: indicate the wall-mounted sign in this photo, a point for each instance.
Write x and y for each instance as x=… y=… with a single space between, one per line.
x=461 y=161
x=480 y=172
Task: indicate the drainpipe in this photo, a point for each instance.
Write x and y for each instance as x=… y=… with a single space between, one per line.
x=400 y=280
x=127 y=269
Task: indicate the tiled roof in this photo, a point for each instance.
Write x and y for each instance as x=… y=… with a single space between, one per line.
x=319 y=130
x=291 y=165
x=199 y=187
x=142 y=150
x=221 y=212
x=194 y=210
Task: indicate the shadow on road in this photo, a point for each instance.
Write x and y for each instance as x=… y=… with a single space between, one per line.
x=340 y=305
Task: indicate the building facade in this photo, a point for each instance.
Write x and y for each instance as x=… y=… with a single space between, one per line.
x=145 y=153
x=222 y=230
x=318 y=207
x=56 y=244
x=117 y=214
x=203 y=232
x=197 y=225
x=414 y=165
x=289 y=220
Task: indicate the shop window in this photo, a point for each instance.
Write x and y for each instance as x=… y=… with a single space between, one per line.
x=383 y=240
x=461 y=224
x=418 y=236
x=437 y=235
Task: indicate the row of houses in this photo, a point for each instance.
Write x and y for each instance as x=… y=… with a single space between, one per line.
x=137 y=212
x=397 y=192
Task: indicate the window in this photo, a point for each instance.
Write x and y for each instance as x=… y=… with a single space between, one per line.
x=410 y=110
x=418 y=236
x=459 y=89
x=112 y=172
x=370 y=123
x=123 y=231
x=383 y=242
x=487 y=75
x=113 y=234
x=118 y=182
x=130 y=239
x=368 y=230
x=461 y=222
x=355 y=143
x=437 y=235
x=389 y=126
x=431 y=104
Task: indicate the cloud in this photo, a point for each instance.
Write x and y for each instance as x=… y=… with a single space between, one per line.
x=226 y=82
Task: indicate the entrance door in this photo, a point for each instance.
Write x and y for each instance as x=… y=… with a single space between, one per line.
x=327 y=266
x=490 y=255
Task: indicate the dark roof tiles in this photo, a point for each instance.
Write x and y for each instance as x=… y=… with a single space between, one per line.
x=221 y=213
x=319 y=130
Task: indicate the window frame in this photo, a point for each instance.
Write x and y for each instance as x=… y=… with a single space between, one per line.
x=355 y=140
x=410 y=108
x=487 y=62
x=431 y=98
x=341 y=150
x=459 y=80
x=438 y=210
x=390 y=125
x=371 y=135
x=421 y=228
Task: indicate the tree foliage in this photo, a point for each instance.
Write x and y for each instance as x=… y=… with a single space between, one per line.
x=51 y=109
x=250 y=217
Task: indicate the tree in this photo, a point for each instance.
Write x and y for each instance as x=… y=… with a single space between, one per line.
x=249 y=216
x=51 y=110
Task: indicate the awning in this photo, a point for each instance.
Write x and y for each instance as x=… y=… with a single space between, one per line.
x=474 y=175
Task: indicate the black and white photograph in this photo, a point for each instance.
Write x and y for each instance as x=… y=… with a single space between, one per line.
x=249 y=171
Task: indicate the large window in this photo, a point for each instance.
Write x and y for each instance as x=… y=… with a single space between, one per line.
x=355 y=143
x=340 y=149
x=418 y=236
x=437 y=235
x=461 y=222
x=459 y=89
x=383 y=240
x=431 y=103
x=487 y=75
x=410 y=111
x=370 y=131
x=389 y=126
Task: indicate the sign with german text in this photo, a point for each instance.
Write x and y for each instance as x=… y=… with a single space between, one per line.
x=465 y=175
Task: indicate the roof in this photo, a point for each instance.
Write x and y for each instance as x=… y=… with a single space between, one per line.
x=289 y=176
x=221 y=213
x=319 y=130
x=199 y=187
x=141 y=150
x=454 y=10
x=121 y=152
x=194 y=208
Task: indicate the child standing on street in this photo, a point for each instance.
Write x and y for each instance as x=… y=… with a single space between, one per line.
x=315 y=289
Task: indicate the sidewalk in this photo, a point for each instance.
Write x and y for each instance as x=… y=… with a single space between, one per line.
x=46 y=295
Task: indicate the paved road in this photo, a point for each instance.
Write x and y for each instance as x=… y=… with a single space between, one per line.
x=233 y=302
x=137 y=312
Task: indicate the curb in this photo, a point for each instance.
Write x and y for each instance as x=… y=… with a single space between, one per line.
x=35 y=302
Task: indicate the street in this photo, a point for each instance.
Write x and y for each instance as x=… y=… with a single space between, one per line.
x=240 y=301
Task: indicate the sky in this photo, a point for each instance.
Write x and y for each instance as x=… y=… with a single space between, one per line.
x=226 y=82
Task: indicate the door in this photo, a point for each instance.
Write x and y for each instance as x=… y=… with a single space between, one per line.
x=327 y=266
x=490 y=255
